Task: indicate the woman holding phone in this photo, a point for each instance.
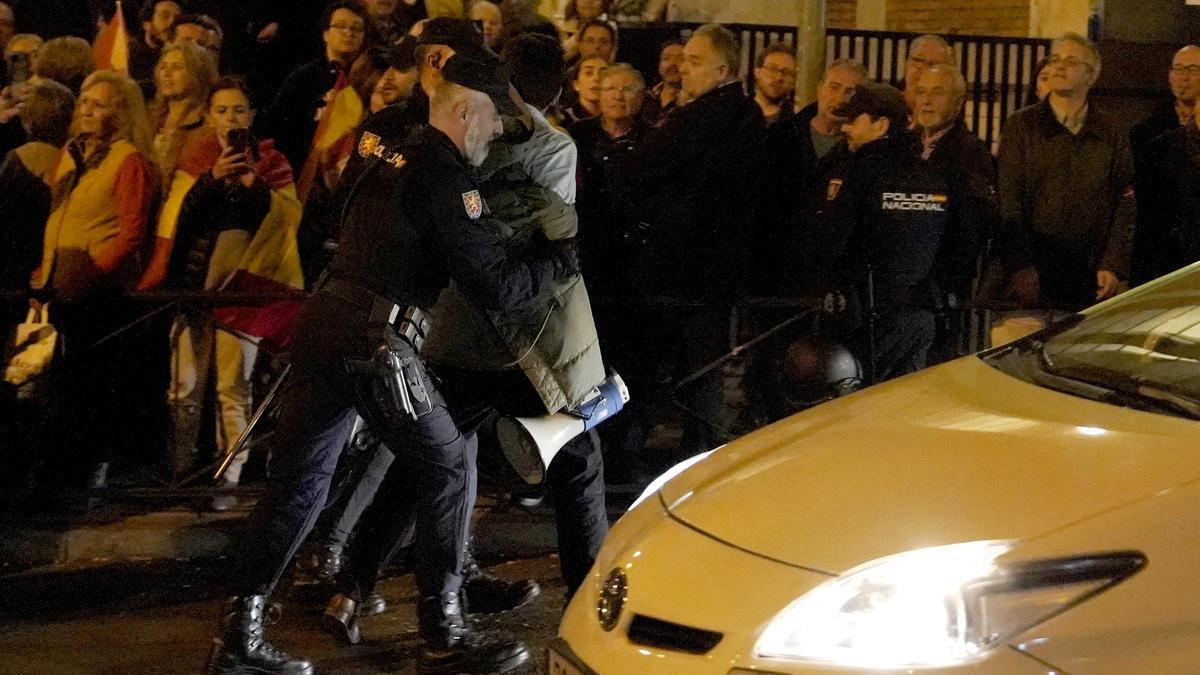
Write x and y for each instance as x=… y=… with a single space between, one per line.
x=231 y=207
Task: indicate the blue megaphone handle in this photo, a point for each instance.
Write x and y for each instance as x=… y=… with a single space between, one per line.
x=599 y=408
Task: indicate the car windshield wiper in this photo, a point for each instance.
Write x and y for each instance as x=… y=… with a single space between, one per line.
x=1125 y=390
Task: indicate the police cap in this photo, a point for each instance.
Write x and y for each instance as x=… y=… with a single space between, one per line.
x=461 y=35
x=877 y=100
x=489 y=77
x=402 y=55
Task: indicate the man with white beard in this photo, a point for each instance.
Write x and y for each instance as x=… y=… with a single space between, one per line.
x=356 y=348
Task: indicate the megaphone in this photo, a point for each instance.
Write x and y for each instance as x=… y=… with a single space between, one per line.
x=530 y=443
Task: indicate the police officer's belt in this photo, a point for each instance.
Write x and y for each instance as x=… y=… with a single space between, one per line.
x=410 y=322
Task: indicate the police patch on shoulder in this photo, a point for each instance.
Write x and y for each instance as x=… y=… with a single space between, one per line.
x=368 y=144
x=473 y=202
x=831 y=192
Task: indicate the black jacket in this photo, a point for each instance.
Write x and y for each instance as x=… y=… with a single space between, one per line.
x=291 y=119
x=1066 y=202
x=1162 y=119
x=970 y=169
x=412 y=225
x=25 y=203
x=1170 y=202
x=693 y=184
x=602 y=228
x=790 y=247
x=892 y=212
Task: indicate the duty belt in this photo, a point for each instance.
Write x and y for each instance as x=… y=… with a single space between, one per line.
x=408 y=321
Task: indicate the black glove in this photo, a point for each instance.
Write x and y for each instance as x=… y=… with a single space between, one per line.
x=563 y=253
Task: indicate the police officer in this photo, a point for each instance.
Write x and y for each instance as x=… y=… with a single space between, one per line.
x=892 y=212
x=367 y=172
x=356 y=348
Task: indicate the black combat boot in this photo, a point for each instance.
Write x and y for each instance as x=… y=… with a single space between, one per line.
x=487 y=594
x=451 y=646
x=241 y=648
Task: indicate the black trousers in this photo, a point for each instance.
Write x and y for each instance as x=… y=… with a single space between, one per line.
x=434 y=458
x=358 y=479
x=574 y=483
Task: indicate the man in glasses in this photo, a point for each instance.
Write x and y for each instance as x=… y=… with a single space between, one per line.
x=1170 y=114
x=304 y=96
x=1066 y=197
x=923 y=52
x=775 y=82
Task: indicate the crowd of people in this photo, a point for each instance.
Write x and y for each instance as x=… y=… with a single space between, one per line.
x=690 y=189
x=207 y=168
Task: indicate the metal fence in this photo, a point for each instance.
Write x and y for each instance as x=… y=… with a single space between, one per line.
x=999 y=70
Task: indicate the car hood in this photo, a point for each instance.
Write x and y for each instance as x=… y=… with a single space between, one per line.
x=959 y=452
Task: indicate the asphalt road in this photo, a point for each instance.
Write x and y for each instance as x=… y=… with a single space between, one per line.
x=160 y=617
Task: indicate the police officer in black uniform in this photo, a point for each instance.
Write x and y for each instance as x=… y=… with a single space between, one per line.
x=356 y=348
x=892 y=212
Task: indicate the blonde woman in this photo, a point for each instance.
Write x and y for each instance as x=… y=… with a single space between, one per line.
x=182 y=79
x=102 y=190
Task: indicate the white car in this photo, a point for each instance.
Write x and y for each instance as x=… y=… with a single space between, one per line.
x=1034 y=509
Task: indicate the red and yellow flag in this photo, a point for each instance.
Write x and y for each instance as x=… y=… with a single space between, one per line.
x=342 y=113
x=111 y=49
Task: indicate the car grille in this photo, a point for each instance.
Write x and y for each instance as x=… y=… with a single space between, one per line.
x=650 y=632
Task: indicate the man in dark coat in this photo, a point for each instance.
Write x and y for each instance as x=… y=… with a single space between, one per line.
x=1066 y=196
x=963 y=159
x=692 y=184
x=1169 y=115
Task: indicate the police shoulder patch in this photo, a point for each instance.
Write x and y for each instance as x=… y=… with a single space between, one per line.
x=831 y=191
x=473 y=202
x=368 y=144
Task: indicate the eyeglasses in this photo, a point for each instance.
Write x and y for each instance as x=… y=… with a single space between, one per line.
x=1068 y=62
x=1186 y=70
x=785 y=73
x=624 y=91
x=923 y=62
x=356 y=29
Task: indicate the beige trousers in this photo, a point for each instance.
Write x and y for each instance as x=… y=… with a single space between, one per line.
x=197 y=349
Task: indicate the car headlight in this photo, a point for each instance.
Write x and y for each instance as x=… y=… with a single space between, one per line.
x=937 y=606
x=656 y=484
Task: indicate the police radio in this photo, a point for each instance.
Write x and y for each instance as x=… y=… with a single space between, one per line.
x=530 y=443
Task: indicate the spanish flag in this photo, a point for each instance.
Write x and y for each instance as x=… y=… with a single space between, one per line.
x=270 y=264
x=342 y=113
x=111 y=49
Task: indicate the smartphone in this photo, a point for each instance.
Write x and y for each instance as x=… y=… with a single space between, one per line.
x=241 y=141
x=18 y=68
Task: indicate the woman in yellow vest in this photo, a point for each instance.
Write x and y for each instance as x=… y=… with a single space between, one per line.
x=102 y=192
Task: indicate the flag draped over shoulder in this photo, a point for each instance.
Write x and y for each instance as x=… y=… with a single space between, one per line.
x=111 y=49
x=271 y=263
x=342 y=113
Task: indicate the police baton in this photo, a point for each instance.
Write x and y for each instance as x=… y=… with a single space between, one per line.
x=258 y=414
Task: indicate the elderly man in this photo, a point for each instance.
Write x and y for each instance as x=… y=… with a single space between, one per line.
x=602 y=142
x=1066 y=197
x=963 y=159
x=1184 y=78
x=692 y=183
x=400 y=248
x=923 y=52
x=775 y=82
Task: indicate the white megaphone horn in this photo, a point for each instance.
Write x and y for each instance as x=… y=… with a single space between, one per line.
x=530 y=443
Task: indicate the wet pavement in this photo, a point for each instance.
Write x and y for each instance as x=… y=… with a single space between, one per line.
x=159 y=617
